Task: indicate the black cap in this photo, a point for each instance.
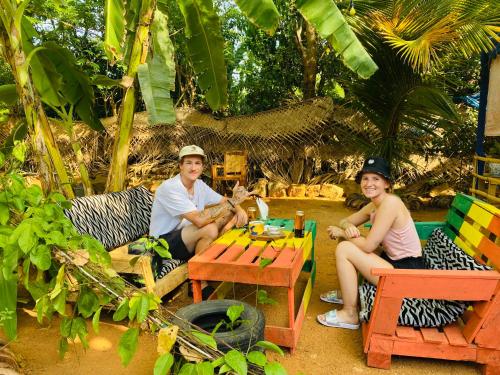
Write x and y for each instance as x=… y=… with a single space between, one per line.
x=375 y=165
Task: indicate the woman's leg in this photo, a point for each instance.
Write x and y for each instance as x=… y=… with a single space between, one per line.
x=351 y=259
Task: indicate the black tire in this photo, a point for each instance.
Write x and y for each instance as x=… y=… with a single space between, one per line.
x=207 y=314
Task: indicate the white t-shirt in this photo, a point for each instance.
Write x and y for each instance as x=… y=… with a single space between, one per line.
x=173 y=200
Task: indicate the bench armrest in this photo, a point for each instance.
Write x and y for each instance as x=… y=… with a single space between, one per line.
x=437 y=284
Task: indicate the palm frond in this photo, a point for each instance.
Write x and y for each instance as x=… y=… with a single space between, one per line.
x=422 y=31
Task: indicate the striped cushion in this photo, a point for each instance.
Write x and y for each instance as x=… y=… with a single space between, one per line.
x=440 y=252
x=114 y=218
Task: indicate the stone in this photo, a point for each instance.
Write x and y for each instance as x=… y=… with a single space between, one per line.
x=331 y=191
x=276 y=189
x=350 y=187
x=297 y=190
x=440 y=190
x=260 y=187
x=312 y=191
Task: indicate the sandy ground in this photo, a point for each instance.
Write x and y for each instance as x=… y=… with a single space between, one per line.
x=321 y=350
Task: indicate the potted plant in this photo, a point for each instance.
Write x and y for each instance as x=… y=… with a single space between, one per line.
x=494 y=152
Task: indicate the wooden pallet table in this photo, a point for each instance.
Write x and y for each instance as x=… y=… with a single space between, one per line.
x=235 y=257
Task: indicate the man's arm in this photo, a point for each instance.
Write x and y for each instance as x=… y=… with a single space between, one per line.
x=211 y=214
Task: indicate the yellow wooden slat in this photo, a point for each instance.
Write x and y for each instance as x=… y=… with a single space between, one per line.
x=478 y=214
x=307 y=246
x=229 y=236
x=243 y=241
x=307 y=294
x=471 y=234
x=489 y=207
x=461 y=244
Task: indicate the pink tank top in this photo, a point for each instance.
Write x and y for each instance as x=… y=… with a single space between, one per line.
x=401 y=243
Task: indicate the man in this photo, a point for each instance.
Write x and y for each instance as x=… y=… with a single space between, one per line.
x=179 y=214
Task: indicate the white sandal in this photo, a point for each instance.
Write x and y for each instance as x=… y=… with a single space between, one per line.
x=330 y=319
x=332 y=297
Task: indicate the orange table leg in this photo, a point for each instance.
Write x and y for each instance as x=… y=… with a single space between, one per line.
x=196 y=291
x=291 y=317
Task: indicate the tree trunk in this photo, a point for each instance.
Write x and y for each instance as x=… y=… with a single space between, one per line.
x=310 y=62
x=118 y=169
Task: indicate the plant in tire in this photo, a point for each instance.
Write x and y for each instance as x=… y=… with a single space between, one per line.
x=237 y=328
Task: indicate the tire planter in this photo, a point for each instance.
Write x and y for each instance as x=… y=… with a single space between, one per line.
x=207 y=314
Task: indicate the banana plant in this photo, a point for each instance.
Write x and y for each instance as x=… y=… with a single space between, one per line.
x=73 y=95
x=43 y=142
x=127 y=40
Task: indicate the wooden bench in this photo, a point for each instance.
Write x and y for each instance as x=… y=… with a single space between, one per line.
x=116 y=219
x=474 y=226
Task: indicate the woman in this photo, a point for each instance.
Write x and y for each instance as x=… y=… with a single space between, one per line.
x=392 y=226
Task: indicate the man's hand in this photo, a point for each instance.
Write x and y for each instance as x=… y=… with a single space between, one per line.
x=240 y=194
x=241 y=216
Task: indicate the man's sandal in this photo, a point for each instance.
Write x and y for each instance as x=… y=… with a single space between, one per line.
x=332 y=297
x=330 y=319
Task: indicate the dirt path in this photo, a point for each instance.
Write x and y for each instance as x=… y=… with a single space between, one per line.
x=321 y=350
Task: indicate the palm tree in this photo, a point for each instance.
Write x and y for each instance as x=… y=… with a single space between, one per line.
x=408 y=39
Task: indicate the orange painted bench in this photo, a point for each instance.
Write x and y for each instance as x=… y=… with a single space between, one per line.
x=474 y=226
x=235 y=257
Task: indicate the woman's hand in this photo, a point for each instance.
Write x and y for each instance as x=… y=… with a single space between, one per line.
x=335 y=232
x=351 y=231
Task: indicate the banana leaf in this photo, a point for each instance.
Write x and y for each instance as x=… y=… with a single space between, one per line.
x=263 y=13
x=45 y=77
x=114 y=35
x=157 y=76
x=206 y=49
x=8 y=94
x=76 y=88
x=331 y=25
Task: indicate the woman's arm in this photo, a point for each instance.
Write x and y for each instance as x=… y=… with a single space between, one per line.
x=386 y=215
x=350 y=224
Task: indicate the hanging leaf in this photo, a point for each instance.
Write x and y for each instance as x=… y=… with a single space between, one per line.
x=157 y=76
x=76 y=87
x=331 y=25
x=114 y=35
x=128 y=345
x=155 y=88
x=263 y=13
x=95 y=320
x=206 y=49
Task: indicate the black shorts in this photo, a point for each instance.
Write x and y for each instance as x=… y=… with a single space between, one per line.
x=410 y=263
x=175 y=245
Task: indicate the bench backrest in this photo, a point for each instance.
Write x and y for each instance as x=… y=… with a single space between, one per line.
x=474 y=226
x=113 y=218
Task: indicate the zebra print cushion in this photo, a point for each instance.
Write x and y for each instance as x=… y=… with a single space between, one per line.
x=440 y=252
x=113 y=218
x=168 y=265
